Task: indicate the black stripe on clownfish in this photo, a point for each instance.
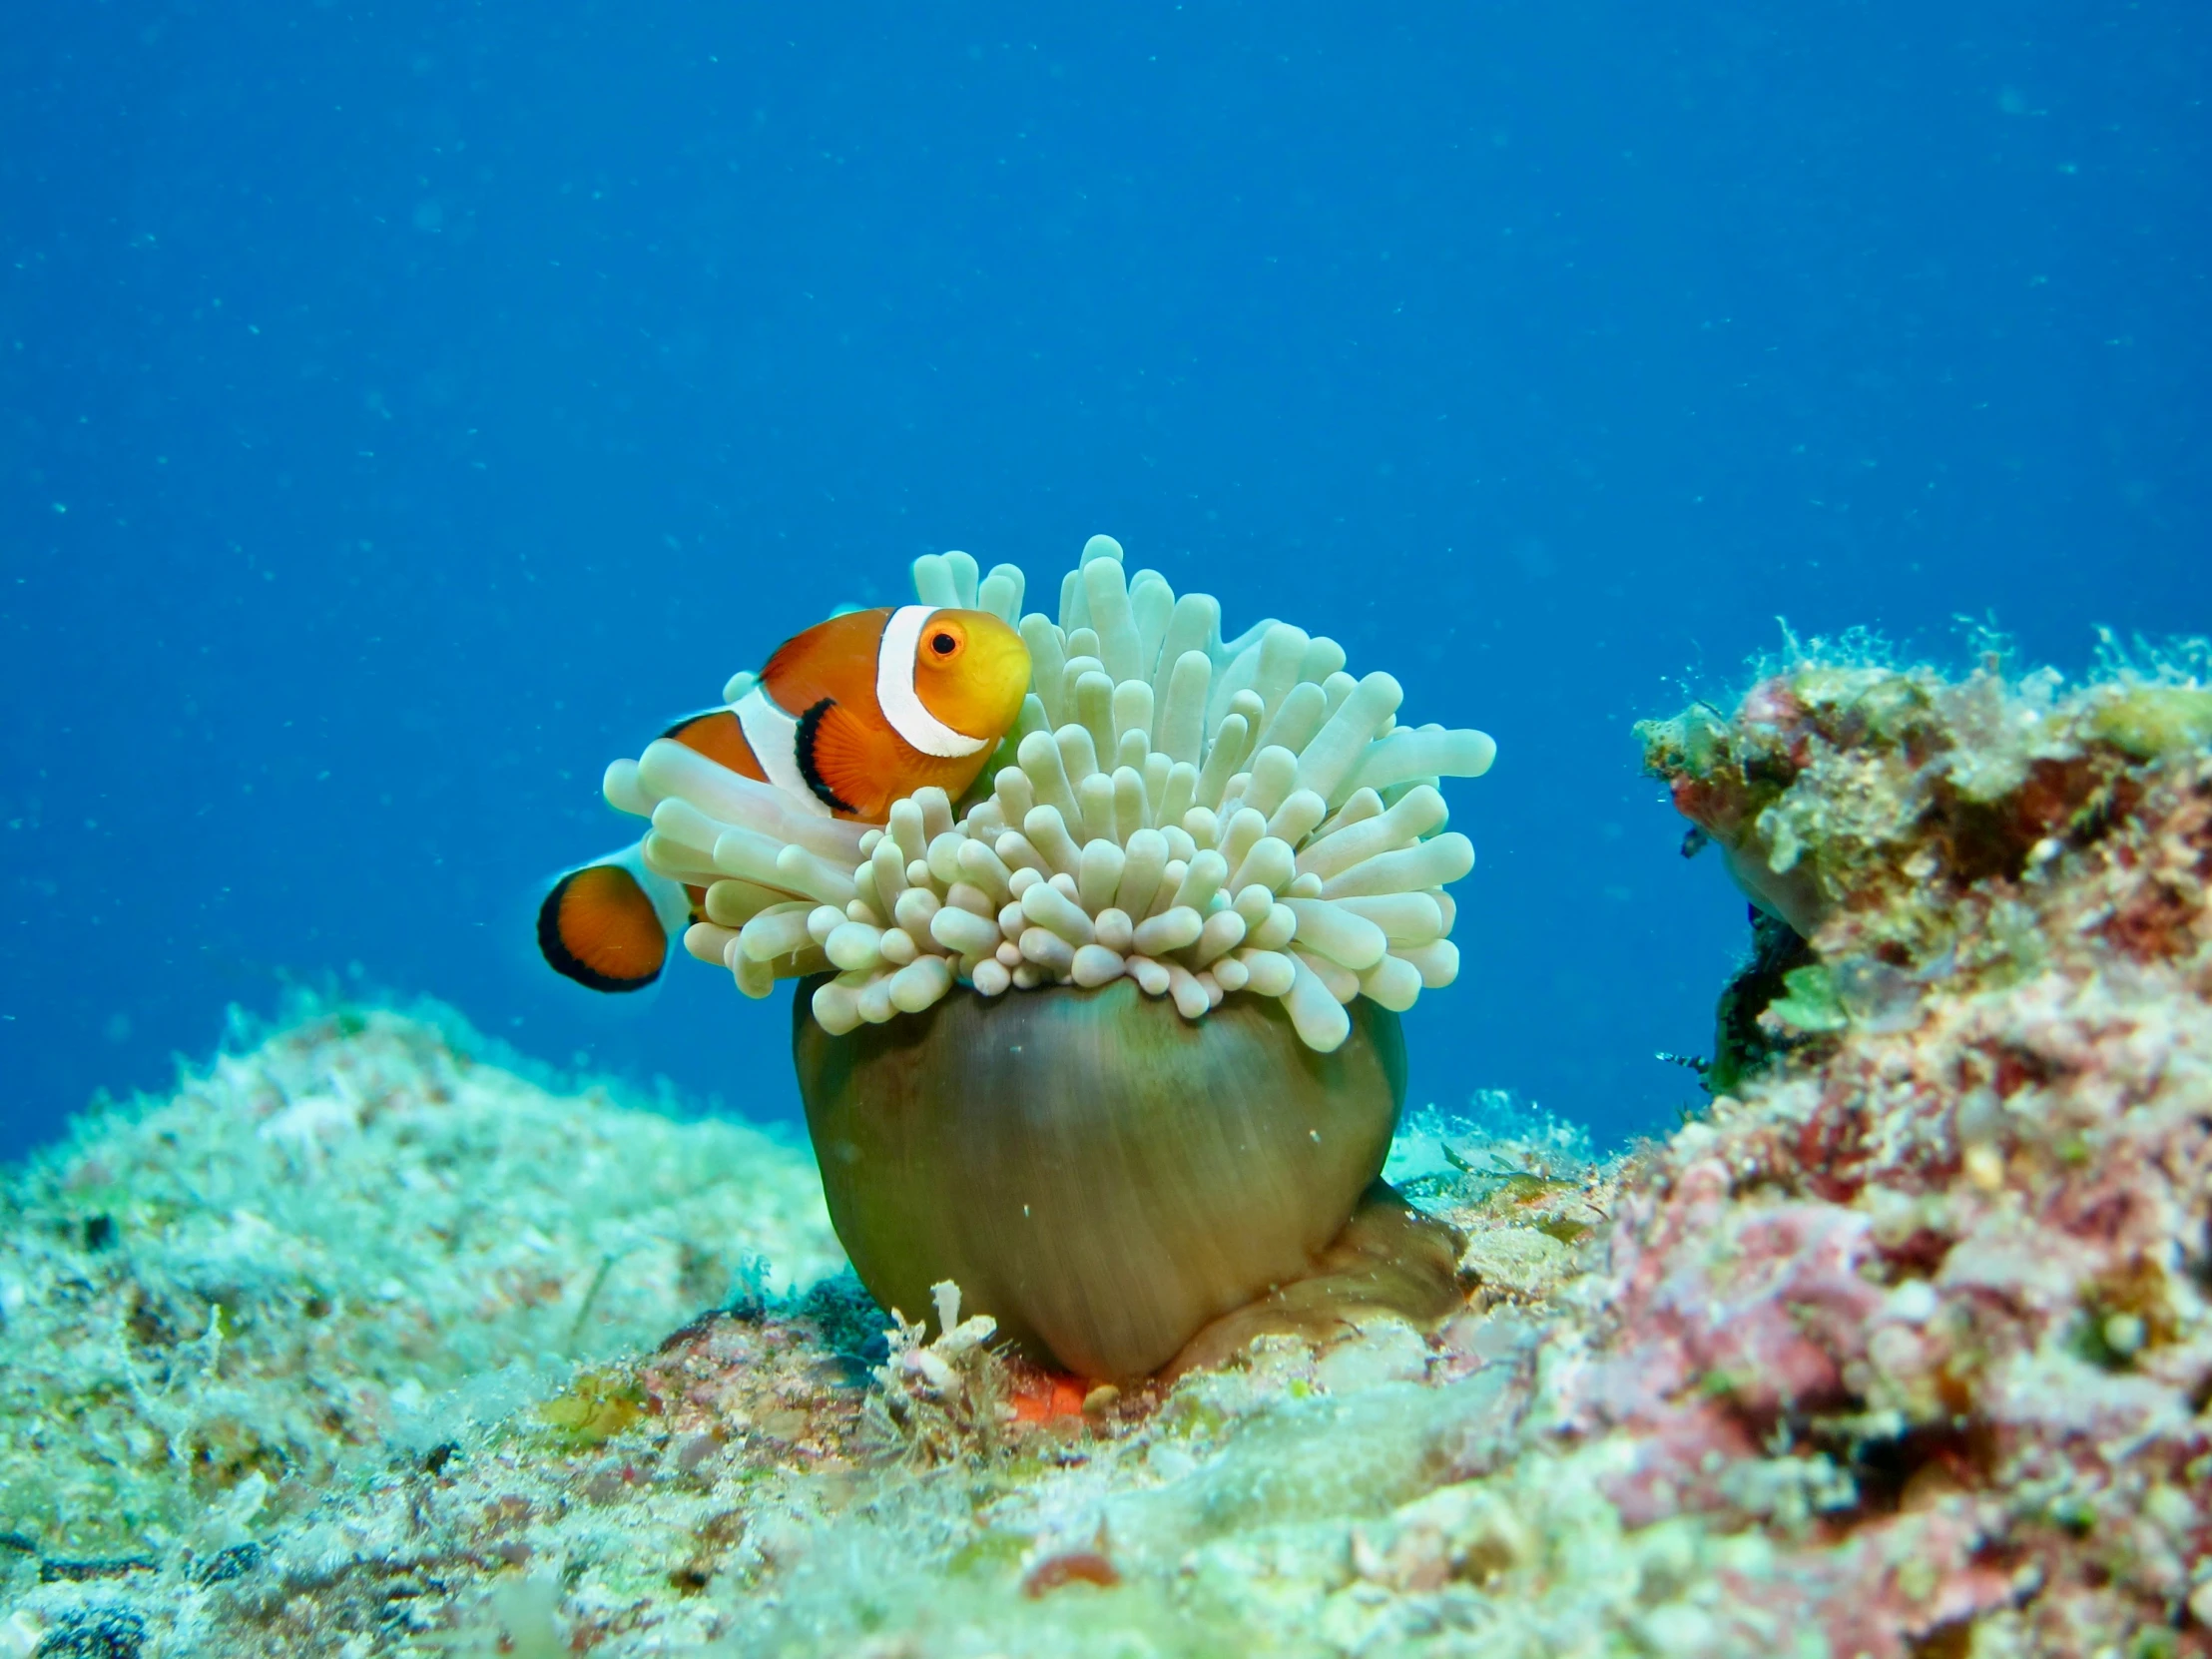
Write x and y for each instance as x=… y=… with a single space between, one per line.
x=803 y=751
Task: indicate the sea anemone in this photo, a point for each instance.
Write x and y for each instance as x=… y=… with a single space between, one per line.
x=1102 y=1176
x=1176 y=819
x=1202 y=817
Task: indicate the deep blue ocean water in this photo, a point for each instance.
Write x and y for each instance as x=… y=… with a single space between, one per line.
x=404 y=409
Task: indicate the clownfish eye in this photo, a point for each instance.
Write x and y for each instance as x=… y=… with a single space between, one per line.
x=944 y=644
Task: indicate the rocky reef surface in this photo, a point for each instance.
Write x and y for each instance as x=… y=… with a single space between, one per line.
x=1902 y=1348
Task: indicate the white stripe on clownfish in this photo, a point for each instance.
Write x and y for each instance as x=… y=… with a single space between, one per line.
x=773 y=737
x=895 y=693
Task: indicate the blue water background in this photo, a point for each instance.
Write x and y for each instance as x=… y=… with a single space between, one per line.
x=405 y=409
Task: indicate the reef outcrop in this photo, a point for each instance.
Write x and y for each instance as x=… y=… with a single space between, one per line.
x=1902 y=1347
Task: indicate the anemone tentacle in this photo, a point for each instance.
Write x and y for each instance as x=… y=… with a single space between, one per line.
x=1198 y=815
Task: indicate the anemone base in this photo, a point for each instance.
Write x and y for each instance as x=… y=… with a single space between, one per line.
x=1390 y=1262
x=1101 y=1176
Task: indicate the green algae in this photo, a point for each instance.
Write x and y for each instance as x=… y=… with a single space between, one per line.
x=991 y=1552
x=2149 y=721
x=594 y=1408
x=1811 y=1003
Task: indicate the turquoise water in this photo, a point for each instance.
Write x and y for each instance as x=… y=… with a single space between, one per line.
x=408 y=409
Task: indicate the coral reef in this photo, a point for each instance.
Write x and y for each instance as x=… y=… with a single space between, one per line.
x=1200 y=815
x=354 y=1235
x=1949 y=1238
x=1900 y=1349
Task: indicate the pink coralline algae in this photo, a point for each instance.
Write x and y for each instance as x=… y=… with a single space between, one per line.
x=1949 y=1238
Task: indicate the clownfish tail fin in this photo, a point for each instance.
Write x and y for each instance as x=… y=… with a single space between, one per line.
x=607 y=924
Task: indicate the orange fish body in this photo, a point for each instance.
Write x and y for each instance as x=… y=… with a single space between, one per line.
x=869 y=707
x=846 y=717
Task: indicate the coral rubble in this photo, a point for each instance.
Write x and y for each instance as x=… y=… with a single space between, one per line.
x=1902 y=1349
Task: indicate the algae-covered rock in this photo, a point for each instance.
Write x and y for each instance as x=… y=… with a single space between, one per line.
x=2148 y=721
x=1845 y=784
x=353 y=1236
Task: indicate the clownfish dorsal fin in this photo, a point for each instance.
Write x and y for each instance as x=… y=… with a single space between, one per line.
x=718 y=735
x=844 y=758
x=835 y=659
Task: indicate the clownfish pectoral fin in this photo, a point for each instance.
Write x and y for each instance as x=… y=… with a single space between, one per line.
x=608 y=924
x=845 y=760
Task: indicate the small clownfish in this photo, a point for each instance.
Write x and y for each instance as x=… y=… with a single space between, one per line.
x=846 y=717
x=870 y=706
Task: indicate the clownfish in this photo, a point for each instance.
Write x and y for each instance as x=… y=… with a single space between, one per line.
x=846 y=717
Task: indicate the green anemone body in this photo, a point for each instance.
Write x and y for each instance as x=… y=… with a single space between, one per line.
x=1100 y=1175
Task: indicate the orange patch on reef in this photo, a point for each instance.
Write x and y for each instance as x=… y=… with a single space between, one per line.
x=1044 y=1397
x=1077 y=1566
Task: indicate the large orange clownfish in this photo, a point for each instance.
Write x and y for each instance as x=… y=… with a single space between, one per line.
x=846 y=717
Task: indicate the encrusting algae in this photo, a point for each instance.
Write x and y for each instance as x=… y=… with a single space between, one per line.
x=1902 y=1349
x=352 y=1237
